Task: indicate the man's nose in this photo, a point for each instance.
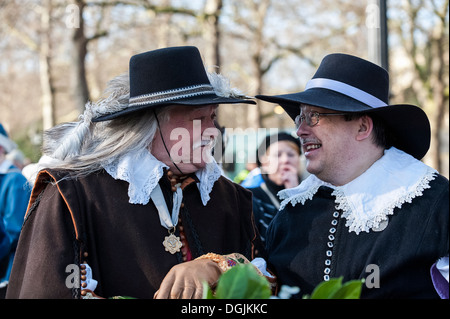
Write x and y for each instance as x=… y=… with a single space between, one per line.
x=303 y=129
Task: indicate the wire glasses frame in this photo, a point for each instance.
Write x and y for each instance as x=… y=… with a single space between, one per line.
x=311 y=118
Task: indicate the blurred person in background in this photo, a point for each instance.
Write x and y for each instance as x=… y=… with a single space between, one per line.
x=18 y=159
x=14 y=196
x=279 y=161
x=250 y=176
x=5 y=246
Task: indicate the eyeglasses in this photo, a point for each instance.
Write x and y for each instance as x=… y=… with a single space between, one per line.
x=311 y=118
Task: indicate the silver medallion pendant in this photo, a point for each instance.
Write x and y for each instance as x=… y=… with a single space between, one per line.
x=381 y=226
x=172 y=243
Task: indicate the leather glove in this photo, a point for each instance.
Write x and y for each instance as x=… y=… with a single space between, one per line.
x=185 y=280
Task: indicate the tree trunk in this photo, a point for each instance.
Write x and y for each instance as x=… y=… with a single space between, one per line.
x=259 y=13
x=47 y=99
x=254 y=119
x=213 y=10
x=438 y=93
x=80 y=87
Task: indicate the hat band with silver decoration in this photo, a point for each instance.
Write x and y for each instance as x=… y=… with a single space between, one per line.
x=346 y=89
x=170 y=95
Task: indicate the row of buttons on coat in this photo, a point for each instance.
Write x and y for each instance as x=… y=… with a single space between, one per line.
x=330 y=245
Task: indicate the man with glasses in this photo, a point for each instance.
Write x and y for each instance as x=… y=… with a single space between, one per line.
x=370 y=208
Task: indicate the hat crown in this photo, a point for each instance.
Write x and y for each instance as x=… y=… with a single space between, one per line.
x=356 y=72
x=166 y=69
x=172 y=76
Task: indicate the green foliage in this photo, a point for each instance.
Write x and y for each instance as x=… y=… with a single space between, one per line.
x=122 y=297
x=240 y=282
x=244 y=282
x=334 y=289
x=30 y=150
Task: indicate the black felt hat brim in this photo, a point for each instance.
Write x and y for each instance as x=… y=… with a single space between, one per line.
x=201 y=100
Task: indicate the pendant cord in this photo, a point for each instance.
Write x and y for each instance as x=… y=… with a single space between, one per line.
x=186 y=217
x=178 y=254
x=164 y=143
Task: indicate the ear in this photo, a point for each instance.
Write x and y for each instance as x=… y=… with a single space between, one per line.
x=365 y=127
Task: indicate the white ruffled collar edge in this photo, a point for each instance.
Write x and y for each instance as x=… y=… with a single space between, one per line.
x=143 y=171
x=367 y=201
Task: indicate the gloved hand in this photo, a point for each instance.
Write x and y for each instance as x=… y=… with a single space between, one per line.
x=184 y=281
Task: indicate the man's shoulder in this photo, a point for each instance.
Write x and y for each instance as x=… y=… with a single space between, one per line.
x=69 y=181
x=437 y=187
x=224 y=187
x=227 y=183
x=64 y=175
x=440 y=180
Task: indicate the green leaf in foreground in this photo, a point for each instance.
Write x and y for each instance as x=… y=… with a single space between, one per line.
x=240 y=282
x=334 y=289
x=326 y=289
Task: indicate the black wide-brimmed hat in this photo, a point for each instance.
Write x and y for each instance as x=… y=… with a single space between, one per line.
x=347 y=83
x=169 y=76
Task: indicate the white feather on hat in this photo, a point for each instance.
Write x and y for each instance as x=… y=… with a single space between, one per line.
x=117 y=95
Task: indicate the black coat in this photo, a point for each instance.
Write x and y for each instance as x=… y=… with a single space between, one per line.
x=264 y=207
x=416 y=236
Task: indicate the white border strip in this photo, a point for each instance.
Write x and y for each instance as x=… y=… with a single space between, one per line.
x=172 y=94
x=346 y=89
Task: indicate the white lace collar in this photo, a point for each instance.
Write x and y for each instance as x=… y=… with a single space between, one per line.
x=395 y=179
x=143 y=171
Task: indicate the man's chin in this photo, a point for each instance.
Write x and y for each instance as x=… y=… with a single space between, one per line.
x=189 y=168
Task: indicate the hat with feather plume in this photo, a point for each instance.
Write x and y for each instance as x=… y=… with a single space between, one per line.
x=168 y=76
x=174 y=75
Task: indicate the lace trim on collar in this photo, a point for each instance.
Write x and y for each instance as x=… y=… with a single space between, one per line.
x=143 y=171
x=207 y=177
x=372 y=220
x=368 y=200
